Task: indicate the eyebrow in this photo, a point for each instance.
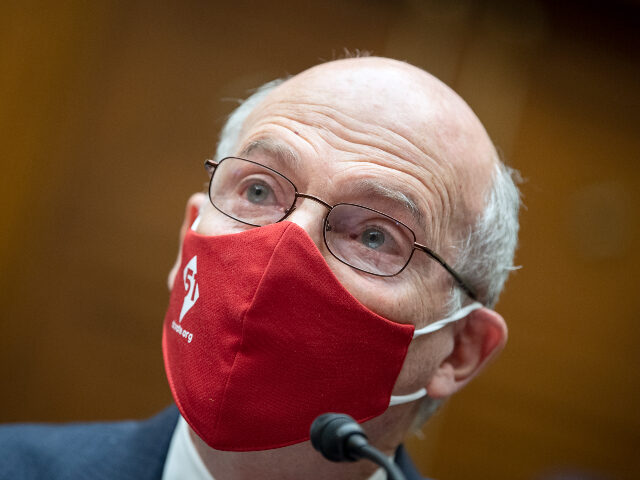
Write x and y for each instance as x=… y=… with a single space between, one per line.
x=368 y=186
x=280 y=151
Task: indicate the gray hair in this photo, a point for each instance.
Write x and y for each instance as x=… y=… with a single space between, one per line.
x=485 y=254
x=230 y=134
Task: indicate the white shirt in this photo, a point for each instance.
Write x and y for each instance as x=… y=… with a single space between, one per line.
x=184 y=462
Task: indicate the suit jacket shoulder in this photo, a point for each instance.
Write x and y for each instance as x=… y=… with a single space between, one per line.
x=101 y=450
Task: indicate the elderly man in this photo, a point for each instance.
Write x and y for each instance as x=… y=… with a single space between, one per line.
x=357 y=231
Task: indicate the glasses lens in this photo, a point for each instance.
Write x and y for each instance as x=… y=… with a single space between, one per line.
x=250 y=192
x=368 y=240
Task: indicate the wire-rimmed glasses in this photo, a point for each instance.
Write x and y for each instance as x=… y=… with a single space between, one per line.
x=358 y=236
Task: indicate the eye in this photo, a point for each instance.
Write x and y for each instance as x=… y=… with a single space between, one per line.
x=258 y=193
x=372 y=238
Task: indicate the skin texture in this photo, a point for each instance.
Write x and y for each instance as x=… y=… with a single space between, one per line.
x=393 y=124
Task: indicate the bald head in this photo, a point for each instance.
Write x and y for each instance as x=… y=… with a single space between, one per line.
x=402 y=97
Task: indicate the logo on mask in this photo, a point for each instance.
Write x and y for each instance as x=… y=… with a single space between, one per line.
x=189 y=277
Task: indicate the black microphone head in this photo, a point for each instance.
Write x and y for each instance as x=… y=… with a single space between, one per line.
x=330 y=433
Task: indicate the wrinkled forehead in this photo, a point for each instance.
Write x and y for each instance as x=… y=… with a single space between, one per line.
x=386 y=97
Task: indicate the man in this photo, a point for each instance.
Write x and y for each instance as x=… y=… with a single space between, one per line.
x=357 y=230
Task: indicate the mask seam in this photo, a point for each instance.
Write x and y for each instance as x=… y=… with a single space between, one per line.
x=244 y=316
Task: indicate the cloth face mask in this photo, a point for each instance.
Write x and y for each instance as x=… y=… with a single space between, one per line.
x=260 y=338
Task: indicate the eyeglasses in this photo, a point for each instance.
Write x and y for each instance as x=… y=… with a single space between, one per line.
x=358 y=236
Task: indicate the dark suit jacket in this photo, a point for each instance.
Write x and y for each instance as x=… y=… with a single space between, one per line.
x=130 y=450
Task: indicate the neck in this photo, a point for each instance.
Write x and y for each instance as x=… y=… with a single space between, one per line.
x=301 y=460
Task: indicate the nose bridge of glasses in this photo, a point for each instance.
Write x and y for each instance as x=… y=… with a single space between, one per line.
x=309 y=217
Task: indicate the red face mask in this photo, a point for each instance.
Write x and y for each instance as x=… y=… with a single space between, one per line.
x=260 y=338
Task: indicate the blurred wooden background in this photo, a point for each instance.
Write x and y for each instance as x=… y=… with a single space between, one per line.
x=107 y=110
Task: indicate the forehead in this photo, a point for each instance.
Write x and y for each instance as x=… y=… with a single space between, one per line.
x=385 y=103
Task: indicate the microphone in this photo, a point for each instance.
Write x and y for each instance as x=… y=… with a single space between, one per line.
x=341 y=439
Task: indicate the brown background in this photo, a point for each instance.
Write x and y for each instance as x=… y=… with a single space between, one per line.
x=108 y=109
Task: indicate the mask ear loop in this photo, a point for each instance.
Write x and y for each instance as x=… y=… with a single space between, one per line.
x=432 y=327
x=400 y=399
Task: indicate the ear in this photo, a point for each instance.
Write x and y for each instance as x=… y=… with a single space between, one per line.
x=479 y=337
x=191 y=213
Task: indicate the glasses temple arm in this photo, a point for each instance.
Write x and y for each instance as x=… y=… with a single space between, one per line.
x=461 y=283
x=210 y=166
